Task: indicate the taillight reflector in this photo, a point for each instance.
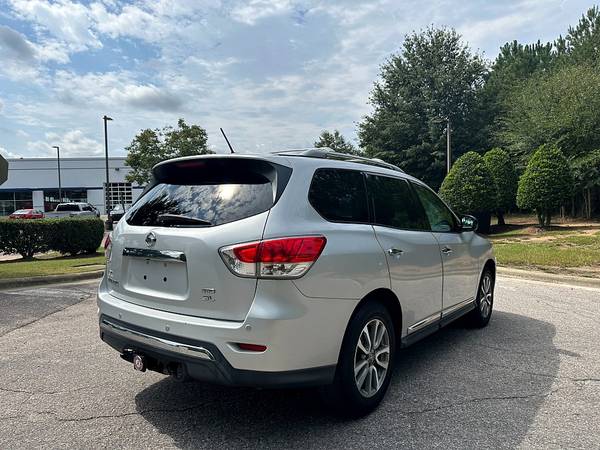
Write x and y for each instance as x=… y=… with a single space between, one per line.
x=287 y=257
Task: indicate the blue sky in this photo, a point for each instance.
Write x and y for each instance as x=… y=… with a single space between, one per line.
x=273 y=73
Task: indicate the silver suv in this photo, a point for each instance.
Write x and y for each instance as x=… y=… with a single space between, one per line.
x=295 y=268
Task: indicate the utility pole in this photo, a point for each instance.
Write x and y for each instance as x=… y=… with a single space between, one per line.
x=59 y=183
x=448 y=148
x=106 y=189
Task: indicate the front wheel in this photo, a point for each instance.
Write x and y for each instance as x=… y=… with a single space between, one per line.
x=366 y=362
x=480 y=316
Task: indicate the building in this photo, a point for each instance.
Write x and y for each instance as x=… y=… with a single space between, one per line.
x=33 y=183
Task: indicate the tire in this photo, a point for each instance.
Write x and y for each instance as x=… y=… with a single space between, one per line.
x=480 y=316
x=344 y=396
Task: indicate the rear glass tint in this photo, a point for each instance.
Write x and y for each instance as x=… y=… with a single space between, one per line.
x=216 y=203
x=67 y=207
x=211 y=191
x=339 y=195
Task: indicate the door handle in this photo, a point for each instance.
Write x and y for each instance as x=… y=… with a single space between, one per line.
x=446 y=250
x=395 y=251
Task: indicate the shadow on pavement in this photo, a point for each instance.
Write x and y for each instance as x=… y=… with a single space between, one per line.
x=458 y=388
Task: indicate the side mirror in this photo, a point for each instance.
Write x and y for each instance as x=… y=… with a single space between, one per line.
x=468 y=223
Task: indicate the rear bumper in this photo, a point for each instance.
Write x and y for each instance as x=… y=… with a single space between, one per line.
x=303 y=337
x=202 y=360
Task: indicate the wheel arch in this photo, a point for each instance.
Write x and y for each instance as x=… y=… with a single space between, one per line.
x=489 y=264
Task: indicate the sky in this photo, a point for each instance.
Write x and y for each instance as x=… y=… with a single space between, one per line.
x=272 y=73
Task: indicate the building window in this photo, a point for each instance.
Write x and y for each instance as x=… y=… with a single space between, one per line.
x=10 y=201
x=51 y=197
x=119 y=194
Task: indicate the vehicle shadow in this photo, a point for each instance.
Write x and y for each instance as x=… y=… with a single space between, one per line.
x=457 y=388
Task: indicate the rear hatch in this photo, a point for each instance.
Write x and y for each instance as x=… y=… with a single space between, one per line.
x=165 y=254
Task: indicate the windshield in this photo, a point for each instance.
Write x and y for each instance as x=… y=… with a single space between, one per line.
x=213 y=204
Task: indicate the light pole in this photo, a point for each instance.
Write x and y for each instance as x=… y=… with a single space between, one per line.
x=59 y=183
x=106 y=189
x=448 y=148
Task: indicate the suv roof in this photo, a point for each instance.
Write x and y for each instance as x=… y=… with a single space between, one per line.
x=328 y=153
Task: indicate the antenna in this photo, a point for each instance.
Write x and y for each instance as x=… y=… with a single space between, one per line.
x=227 y=140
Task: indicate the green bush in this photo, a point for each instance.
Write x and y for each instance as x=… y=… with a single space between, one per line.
x=469 y=187
x=67 y=236
x=505 y=177
x=25 y=237
x=546 y=183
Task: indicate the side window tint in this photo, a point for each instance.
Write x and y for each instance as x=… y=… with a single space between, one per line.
x=440 y=217
x=394 y=204
x=339 y=195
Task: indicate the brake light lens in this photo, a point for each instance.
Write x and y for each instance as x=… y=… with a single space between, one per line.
x=108 y=247
x=274 y=258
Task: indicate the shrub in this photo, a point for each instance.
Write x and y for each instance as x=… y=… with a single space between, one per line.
x=67 y=236
x=505 y=177
x=25 y=237
x=546 y=183
x=469 y=187
x=73 y=236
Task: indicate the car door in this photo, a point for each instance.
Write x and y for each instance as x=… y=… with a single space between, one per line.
x=411 y=250
x=458 y=262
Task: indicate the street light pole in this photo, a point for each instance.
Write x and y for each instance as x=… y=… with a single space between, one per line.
x=59 y=183
x=106 y=189
x=448 y=148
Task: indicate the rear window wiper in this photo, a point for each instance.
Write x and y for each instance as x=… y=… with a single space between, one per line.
x=177 y=219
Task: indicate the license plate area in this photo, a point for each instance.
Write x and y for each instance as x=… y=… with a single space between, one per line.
x=156 y=278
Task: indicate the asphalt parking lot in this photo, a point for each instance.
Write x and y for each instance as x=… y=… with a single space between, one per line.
x=531 y=379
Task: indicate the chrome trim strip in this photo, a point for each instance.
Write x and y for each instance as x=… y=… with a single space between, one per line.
x=147 y=253
x=421 y=323
x=458 y=306
x=157 y=342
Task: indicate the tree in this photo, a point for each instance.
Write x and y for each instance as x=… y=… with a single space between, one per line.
x=505 y=178
x=469 y=187
x=434 y=77
x=546 y=183
x=149 y=147
x=582 y=42
x=586 y=179
x=561 y=107
x=336 y=142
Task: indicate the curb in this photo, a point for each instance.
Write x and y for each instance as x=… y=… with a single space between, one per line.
x=33 y=281
x=537 y=275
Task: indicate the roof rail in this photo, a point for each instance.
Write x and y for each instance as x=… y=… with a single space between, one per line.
x=328 y=153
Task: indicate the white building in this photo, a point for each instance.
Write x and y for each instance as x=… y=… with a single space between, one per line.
x=33 y=183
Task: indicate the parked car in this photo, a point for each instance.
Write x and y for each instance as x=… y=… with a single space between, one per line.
x=73 y=209
x=117 y=213
x=27 y=214
x=297 y=268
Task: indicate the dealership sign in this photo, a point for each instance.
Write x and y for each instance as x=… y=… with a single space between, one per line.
x=3 y=169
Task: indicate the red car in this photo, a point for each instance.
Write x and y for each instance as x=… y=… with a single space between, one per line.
x=27 y=214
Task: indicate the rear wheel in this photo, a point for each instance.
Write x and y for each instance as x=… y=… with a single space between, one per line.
x=480 y=316
x=366 y=362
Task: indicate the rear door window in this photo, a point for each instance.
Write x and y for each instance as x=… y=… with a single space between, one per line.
x=339 y=195
x=394 y=204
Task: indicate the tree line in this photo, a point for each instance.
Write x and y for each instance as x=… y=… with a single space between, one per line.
x=534 y=105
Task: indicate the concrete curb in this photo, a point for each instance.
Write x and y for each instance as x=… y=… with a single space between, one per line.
x=538 y=275
x=64 y=278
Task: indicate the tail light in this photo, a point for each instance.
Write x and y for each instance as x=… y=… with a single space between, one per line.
x=107 y=247
x=274 y=258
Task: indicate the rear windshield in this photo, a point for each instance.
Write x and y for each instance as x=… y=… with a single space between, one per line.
x=209 y=191
x=214 y=204
x=67 y=207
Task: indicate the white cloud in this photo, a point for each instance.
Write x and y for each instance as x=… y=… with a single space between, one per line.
x=67 y=21
x=8 y=154
x=254 y=10
x=73 y=143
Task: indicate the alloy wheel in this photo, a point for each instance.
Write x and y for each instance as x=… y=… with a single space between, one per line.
x=485 y=295
x=371 y=358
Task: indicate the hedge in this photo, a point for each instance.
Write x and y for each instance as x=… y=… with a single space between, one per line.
x=67 y=236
